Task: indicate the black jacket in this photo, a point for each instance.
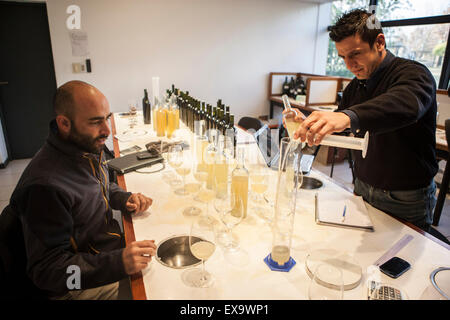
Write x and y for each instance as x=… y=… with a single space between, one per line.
x=64 y=200
x=397 y=105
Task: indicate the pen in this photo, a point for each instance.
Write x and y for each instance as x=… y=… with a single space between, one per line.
x=343 y=213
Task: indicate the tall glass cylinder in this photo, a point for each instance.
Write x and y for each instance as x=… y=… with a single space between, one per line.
x=288 y=184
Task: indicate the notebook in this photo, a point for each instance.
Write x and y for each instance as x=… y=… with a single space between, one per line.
x=329 y=211
x=130 y=162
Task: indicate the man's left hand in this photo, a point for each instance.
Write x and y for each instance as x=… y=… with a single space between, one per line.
x=137 y=202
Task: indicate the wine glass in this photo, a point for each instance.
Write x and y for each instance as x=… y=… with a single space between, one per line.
x=224 y=203
x=202 y=246
x=193 y=188
x=259 y=184
x=327 y=283
x=206 y=196
x=132 y=110
x=183 y=170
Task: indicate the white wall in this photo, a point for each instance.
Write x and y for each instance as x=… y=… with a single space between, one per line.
x=212 y=48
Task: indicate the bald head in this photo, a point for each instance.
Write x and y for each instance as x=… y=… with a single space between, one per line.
x=71 y=95
x=82 y=115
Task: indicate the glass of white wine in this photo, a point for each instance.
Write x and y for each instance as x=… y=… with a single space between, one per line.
x=259 y=184
x=183 y=170
x=132 y=111
x=202 y=246
x=174 y=156
x=224 y=203
x=206 y=196
x=193 y=188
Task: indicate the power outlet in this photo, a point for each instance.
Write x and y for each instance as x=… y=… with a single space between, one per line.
x=78 y=67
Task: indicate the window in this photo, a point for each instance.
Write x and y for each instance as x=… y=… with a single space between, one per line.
x=414 y=29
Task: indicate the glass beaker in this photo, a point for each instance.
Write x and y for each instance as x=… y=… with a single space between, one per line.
x=288 y=184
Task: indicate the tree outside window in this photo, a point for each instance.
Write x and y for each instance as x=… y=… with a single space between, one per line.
x=423 y=43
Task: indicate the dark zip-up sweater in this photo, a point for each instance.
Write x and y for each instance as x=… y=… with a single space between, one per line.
x=64 y=200
x=397 y=105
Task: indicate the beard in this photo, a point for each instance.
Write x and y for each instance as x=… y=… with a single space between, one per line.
x=85 y=142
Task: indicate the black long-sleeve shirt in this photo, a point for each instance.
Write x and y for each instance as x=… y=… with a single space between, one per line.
x=64 y=200
x=397 y=105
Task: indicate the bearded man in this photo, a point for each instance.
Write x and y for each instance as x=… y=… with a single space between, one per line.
x=64 y=200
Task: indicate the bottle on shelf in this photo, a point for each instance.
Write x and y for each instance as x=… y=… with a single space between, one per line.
x=239 y=184
x=292 y=88
x=146 y=108
x=285 y=86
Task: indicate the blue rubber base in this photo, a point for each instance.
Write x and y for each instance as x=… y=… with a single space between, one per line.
x=276 y=267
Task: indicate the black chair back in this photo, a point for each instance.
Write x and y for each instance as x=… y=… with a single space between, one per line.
x=250 y=123
x=445 y=180
x=14 y=282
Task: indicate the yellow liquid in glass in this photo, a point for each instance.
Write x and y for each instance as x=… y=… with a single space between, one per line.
x=161 y=123
x=177 y=118
x=154 y=118
x=171 y=123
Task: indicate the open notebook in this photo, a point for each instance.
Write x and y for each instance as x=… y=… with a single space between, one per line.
x=329 y=211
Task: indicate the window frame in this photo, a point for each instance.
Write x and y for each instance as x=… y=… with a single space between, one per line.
x=445 y=71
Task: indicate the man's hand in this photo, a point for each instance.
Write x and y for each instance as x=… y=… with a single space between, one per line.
x=294 y=114
x=319 y=124
x=138 y=203
x=137 y=255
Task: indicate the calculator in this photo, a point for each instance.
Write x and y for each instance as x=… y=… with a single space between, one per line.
x=381 y=291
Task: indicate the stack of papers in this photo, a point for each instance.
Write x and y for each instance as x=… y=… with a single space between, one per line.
x=329 y=210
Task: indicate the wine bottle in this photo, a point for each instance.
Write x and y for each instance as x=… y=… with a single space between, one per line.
x=292 y=88
x=203 y=112
x=286 y=86
x=146 y=108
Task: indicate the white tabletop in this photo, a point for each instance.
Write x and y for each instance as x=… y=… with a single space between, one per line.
x=254 y=280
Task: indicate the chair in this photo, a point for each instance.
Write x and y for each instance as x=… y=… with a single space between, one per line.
x=250 y=123
x=445 y=180
x=14 y=282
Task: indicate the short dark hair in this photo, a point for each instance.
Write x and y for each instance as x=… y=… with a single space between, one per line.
x=354 y=22
x=64 y=101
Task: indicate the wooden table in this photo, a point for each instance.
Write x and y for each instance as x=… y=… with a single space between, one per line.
x=255 y=280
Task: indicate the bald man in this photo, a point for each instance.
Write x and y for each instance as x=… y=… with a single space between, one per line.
x=75 y=249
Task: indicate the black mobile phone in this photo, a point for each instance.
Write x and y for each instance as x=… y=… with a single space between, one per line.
x=145 y=155
x=395 y=267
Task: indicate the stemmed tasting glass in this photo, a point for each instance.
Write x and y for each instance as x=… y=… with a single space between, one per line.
x=193 y=188
x=183 y=170
x=206 y=196
x=174 y=156
x=224 y=203
x=227 y=148
x=327 y=283
x=259 y=184
x=132 y=110
x=202 y=246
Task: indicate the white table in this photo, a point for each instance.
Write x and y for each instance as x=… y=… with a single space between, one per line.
x=255 y=280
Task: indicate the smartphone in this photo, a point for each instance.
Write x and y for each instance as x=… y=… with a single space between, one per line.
x=395 y=267
x=145 y=155
x=130 y=150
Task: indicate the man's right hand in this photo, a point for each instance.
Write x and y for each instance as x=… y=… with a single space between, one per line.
x=137 y=255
